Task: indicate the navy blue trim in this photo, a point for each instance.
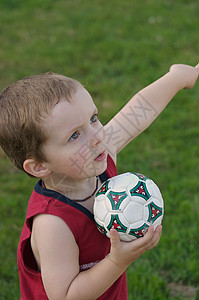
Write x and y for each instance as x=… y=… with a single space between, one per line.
x=58 y=196
x=103 y=177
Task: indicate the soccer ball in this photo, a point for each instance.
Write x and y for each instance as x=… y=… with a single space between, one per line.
x=130 y=203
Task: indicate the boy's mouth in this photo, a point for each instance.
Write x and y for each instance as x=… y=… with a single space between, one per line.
x=101 y=156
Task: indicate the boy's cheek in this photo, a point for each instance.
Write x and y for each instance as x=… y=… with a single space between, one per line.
x=101 y=132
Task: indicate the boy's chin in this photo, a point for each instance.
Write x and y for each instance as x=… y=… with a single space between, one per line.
x=101 y=170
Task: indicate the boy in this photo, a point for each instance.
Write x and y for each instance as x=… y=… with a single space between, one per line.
x=49 y=128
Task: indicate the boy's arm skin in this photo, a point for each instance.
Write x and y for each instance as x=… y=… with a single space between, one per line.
x=146 y=105
x=57 y=255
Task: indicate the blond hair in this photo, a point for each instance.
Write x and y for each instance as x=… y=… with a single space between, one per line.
x=23 y=106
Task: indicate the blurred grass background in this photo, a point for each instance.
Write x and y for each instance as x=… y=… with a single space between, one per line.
x=115 y=48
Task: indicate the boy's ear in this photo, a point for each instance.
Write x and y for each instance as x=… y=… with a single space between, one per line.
x=36 y=169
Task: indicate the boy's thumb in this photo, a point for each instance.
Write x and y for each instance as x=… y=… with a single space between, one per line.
x=114 y=237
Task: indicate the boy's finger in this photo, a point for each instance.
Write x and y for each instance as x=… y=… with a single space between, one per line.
x=157 y=234
x=151 y=238
x=146 y=238
x=149 y=234
x=114 y=237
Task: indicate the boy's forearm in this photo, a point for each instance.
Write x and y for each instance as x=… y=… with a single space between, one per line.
x=142 y=109
x=160 y=92
x=92 y=283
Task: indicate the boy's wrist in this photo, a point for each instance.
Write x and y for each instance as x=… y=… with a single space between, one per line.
x=116 y=264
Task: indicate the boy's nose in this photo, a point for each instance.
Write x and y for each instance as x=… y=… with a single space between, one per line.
x=96 y=137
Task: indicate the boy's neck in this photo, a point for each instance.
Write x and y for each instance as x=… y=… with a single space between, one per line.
x=75 y=190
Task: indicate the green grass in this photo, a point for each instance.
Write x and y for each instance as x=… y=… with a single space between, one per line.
x=114 y=48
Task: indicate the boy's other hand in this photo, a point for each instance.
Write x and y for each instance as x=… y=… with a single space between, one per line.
x=187 y=74
x=125 y=253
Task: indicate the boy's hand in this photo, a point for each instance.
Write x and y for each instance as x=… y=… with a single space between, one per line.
x=124 y=253
x=187 y=74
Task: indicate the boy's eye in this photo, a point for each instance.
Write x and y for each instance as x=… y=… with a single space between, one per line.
x=74 y=136
x=94 y=118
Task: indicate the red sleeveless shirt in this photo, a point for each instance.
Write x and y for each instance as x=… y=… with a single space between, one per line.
x=93 y=246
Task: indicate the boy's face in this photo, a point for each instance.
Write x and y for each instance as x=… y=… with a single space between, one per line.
x=75 y=147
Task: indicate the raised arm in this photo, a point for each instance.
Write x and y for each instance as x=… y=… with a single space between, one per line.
x=143 y=108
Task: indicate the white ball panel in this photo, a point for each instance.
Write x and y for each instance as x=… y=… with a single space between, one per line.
x=124 y=203
x=100 y=222
x=145 y=213
x=126 y=238
x=133 y=212
x=123 y=220
x=100 y=210
x=158 y=221
x=136 y=224
x=153 y=189
x=123 y=180
x=107 y=220
x=107 y=203
x=138 y=199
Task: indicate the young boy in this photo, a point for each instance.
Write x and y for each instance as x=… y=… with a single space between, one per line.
x=49 y=128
